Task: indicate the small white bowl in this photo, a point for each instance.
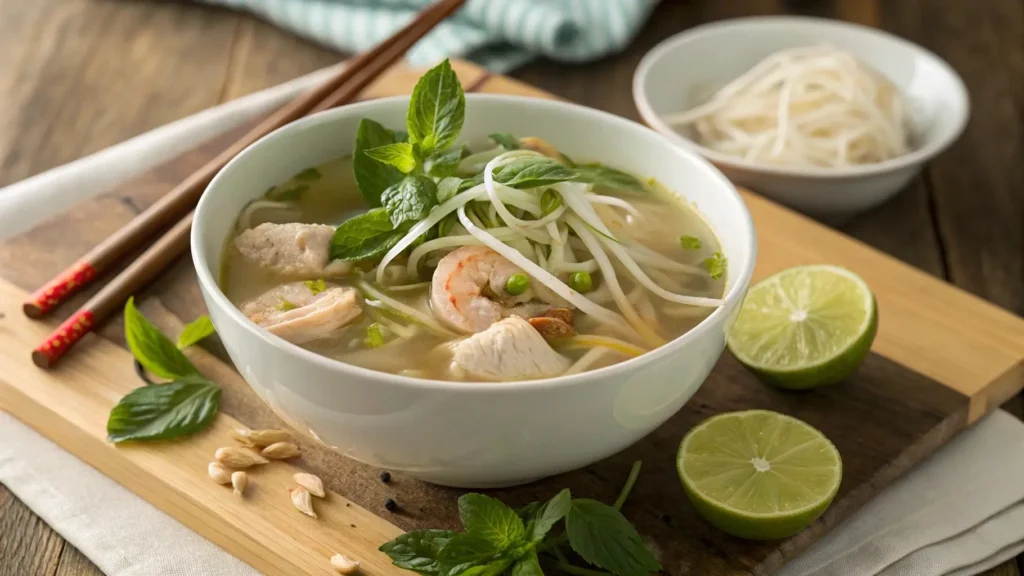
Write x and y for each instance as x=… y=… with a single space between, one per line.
x=461 y=433
x=683 y=70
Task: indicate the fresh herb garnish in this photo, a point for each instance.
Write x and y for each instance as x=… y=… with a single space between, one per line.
x=448 y=188
x=309 y=175
x=374 y=336
x=716 y=265
x=372 y=176
x=286 y=305
x=506 y=140
x=288 y=193
x=533 y=172
x=445 y=164
x=500 y=540
x=364 y=236
x=602 y=176
x=316 y=286
x=437 y=109
x=161 y=411
x=400 y=155
x=410 y=200
x=550 y=201
x=689 y=242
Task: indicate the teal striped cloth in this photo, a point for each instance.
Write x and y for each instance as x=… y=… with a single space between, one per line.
x=499 y=34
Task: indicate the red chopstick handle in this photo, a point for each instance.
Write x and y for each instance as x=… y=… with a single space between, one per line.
x=42 y=301
x=63 y=338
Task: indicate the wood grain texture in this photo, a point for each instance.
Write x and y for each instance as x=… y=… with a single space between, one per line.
x=74 y=563
x=28 y=547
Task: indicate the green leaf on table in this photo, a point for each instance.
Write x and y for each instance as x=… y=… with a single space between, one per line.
x=491 y=519
x=164 y=411
x=533 y=172
x=410 y=200
x=195 y=331
x=156 y=352
x=447 y=188
x=418 y=550
x=506 y=140
x=437 y=109
x=372 y=176
x=309 y=175
x=549 y=514
x=527 y=565
x=602 y=176
x=364 y=236
x=444 y=164
x=716 y=265
x=602 y=536
x=288 y=193
x=400 y=155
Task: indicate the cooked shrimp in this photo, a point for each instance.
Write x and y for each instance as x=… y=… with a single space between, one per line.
x=468 y=289
x=542 y=146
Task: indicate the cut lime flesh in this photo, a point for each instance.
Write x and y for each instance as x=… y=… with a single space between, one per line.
x=806 y=326
x=758 y=474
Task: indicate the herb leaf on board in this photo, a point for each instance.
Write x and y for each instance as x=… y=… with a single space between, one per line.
x=602 y=176
x=437 y=109
x=151 y=348
x=505 y=140
x=549 y=514
x=371 y=176
x=418 y=550
x=400 y=155
x=527 y=566
x=410 y=200
x=491 y=519
x=164 y=411
x=602 y=536
x=195 y=331
x=364 y=236
x=533 y=172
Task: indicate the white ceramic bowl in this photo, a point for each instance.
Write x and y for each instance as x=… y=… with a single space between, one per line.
x=473 y=434
x=684 y=69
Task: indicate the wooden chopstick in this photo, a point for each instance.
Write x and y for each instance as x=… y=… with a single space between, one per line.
x=339 y=89
x=175 y=241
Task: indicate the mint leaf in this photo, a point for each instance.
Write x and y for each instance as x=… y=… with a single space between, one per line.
x=418 y=550
x=448 y=188
x=195 y=331
x=309 y=175
x=164 y=411
x=602 y=536
x=372 y=176
x=364 y=236
x=604 y=177
x=437 y=109
x=444 y=164
x=689 y=242
x=410 y=200
x=468 y=548
x=527 y=566
x=716 y=265
x=288 y=193
x=151 y=348
x=533 y=172
x=506 y=140
x=491 y=519
x=549 y=514
x=400 y=155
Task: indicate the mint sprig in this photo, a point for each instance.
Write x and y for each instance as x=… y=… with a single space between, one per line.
x=499 y=540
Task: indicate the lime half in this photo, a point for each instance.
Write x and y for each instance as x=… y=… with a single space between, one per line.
x=805 y=327
x=759 y=475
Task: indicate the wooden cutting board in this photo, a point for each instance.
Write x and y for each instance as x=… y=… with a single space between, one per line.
x=942 y=359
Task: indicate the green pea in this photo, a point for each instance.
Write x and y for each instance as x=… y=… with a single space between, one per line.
x=581 y=282
x=517 y=284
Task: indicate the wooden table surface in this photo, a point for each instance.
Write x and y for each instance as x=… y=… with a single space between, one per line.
x=77 y=76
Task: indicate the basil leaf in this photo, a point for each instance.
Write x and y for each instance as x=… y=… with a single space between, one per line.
x=164 y=411
x=527 y=512
x=195 y=331
x=288 y=194
x=444 y=164
x=527 y=566
x=372 y=176
x=506 y=140
x=491 y=519
x=492 y=568
x=309 y=175
x=533 y=172
x=418 y=550
x=410 y=200
x=604 y=177
x=602 y=536
x=437 y=109
x=448 y=188
x=400 y=155
x=151 y=348
x=468 y=548
x=364 y=236
x=548 y=515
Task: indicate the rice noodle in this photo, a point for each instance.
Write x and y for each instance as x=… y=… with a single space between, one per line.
x=596 y=340
x=245 y=218
x=809 y=107
x=450 y=242
x=613 y=201
x=589 y=358
x=383 y=299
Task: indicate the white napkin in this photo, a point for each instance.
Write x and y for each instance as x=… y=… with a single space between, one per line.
x=958 y=514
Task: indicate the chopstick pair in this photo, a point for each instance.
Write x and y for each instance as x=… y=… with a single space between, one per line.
x=178 y=203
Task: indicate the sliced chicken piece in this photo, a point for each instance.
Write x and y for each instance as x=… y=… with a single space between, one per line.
x=294 y=249
x=507 y=351
x=293 y=312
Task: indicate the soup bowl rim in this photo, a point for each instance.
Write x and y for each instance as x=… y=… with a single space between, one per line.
x=736 y=285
